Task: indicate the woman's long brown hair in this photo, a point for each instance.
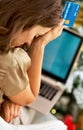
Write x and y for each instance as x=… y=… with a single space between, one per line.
x=15 y=14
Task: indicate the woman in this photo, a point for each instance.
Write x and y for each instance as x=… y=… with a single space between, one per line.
x=34 y=22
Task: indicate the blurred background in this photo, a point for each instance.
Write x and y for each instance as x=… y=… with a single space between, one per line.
x=69 y=108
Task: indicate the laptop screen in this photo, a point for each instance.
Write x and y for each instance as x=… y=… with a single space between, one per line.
x=60 y=54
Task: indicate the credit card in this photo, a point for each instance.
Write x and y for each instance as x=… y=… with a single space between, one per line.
x=70 y=13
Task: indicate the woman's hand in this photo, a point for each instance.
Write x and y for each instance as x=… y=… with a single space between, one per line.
x=9 y=110
x=49 y=36
x=36 y=53
x=52 y=34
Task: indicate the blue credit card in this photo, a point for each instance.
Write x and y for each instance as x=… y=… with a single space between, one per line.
x=70 y=13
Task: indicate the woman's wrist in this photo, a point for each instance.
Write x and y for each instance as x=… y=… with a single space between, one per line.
x=36 y=48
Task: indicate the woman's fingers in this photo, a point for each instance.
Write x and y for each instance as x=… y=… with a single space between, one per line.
x=12 y=113
x=60 y=31
x=9 y=111
x=16 y=111
x=6 y=112
x=54 y=33
x=49 y=36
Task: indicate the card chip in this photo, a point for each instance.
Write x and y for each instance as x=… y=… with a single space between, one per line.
x=67 y=21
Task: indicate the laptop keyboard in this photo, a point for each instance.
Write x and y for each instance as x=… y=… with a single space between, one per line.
x=47 y=91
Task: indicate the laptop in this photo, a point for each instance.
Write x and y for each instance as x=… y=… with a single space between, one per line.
x=59 y=57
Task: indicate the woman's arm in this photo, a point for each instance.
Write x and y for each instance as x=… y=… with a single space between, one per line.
x=24 y=97
x=36 y=54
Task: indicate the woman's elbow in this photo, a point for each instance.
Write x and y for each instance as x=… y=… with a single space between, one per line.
x=27 y=102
